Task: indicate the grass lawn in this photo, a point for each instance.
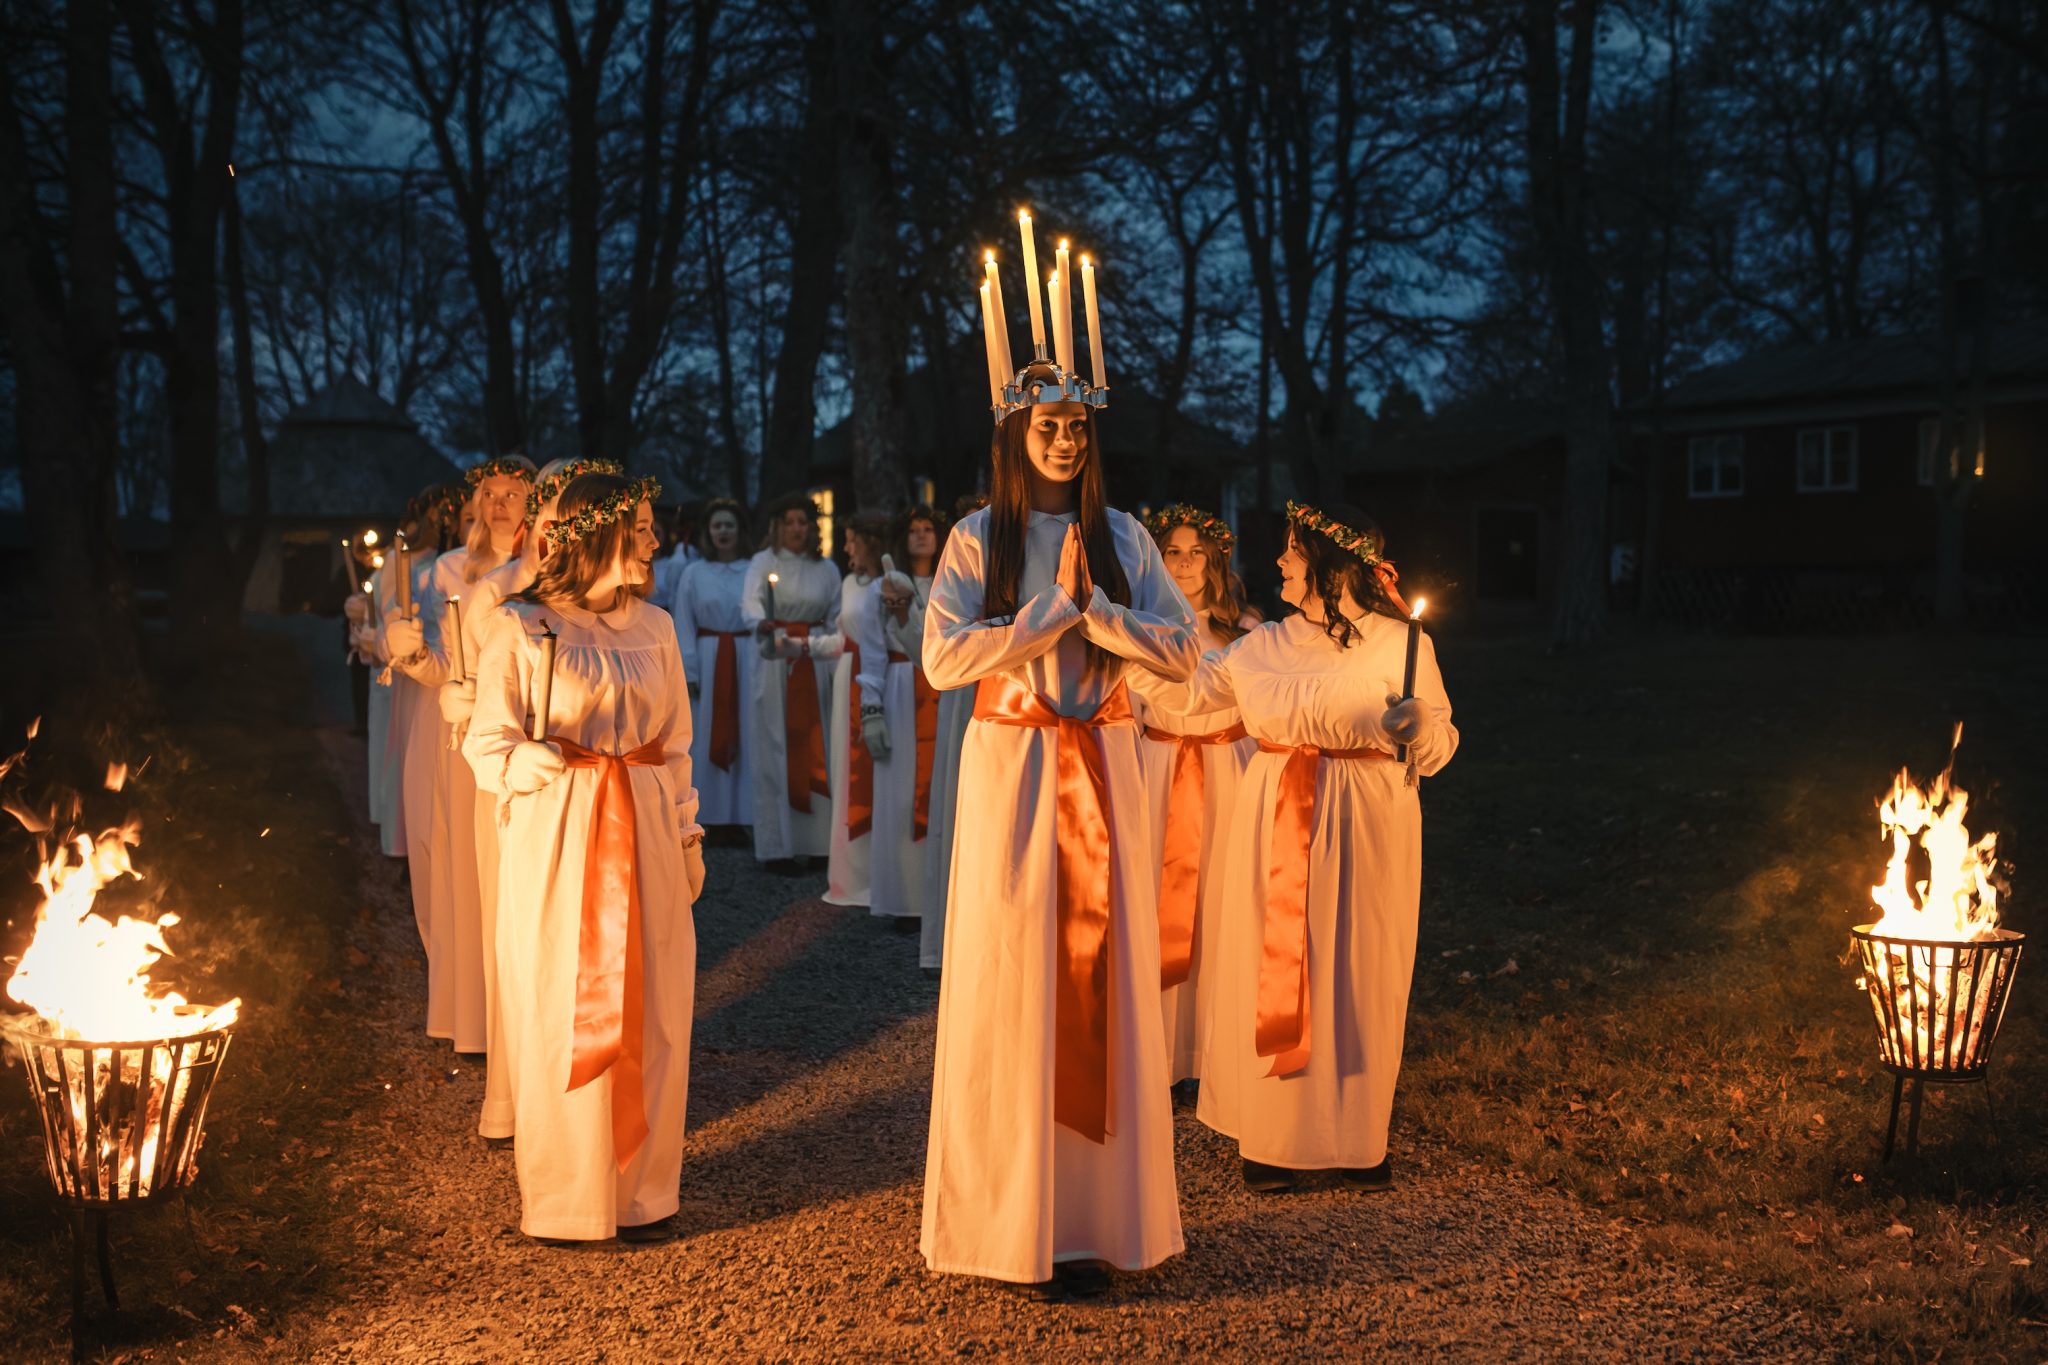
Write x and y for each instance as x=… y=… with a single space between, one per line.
x=1636 y=978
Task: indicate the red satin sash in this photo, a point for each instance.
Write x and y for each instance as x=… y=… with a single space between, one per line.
x=803 y=746
x=1083 y=912
x=725 y=712
x=925 y=707
x=860 y=764
x=1180 y=864
x=1282 y=1025
x=610 y=994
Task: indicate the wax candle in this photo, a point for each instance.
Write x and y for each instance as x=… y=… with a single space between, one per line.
x=451 y=626
x=404 y=576
x=1063 y=310
x=1031 y=284
x=1408 y=668
x=996 y=375
x=547 y=681
x=995 y=291
x=1094 y=323
x=769 y=593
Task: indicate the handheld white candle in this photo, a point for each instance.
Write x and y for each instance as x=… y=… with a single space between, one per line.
x=1031 y=284
x=769 y=594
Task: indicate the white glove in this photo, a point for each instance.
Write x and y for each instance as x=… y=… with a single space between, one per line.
x=458 y=701
x=356 y=609
x=874 y=732
x=532 y=765
x=1406 y=722
x=404 y=638
x=693 y=867
x=786 y=648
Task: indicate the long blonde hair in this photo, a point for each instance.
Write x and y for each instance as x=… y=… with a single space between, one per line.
x=481 y=553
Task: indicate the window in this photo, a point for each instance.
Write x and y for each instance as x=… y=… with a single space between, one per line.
x=1827 y=460
x=1714 y=467
x=1930 y=450
x=823 y=498
x=923 y=491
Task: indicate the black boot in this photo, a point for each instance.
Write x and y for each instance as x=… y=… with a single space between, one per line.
x=1260 y=1178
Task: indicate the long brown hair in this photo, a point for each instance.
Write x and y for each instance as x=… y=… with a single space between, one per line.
x=873 y=529
x=771 y=520
x=712 y=509
x=899 y=539
x=568 y=573
x=1009 y=515
x=1334 y=570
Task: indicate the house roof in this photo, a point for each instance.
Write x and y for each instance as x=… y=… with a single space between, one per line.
x=1463 y=435
x=346 y=453
x=1860 y=365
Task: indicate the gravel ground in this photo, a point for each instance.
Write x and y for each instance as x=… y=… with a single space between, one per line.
x=802 y=1183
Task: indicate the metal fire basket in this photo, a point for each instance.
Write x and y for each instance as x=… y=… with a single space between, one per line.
x=122 y=1125
x=1938 y=1004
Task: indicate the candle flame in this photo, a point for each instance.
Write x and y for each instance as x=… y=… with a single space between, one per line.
x=988 y=256
x=1063 y=244
x=1086 y=264
x=370 y=536
x=376 y=561
x=775 y=578
x=1023 y=215
x=1415 y=612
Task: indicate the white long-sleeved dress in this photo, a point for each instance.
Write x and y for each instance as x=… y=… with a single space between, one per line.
x=481 y=617
x=618 y=684
x=1294 y=686
x=1169 y=708
x=417 y=725
x=807 y=594
x=1008 y=1191
x=855 y=639
x=956 y=712
x=383 y=753
x=901 y=882
x=706 y=602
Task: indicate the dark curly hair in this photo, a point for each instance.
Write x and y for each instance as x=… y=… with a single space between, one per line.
x=1334 y=571
x=711 y=509
x=899 y=534
x=771 y=520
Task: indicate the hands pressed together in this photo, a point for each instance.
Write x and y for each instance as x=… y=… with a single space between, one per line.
x=1073 y=573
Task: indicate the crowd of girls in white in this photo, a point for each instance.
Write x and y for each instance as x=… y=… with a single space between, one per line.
x=1194 y=853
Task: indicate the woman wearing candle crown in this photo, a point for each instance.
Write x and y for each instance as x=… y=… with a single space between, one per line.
x=602 y=859
x=791 y=592
x=1192 y=758
x=1051 y=1141
x=1323 y=879
x=718 y=659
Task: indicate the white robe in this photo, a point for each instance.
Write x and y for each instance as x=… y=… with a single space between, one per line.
x=1294 y=686
x=1008 y=1191
x=417 y=727
x=1166 y=707
x=481 y=617
x=808 y=592
x=858 y=635
x=902 y=880
x=956 y=711
x=707 y=598
x=383 y=752
x=618 y=683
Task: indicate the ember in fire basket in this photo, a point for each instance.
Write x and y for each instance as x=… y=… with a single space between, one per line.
x=1936 y=964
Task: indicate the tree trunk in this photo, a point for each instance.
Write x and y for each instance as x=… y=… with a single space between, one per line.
x=792 y=415
x=255 y=448
x=877 y=331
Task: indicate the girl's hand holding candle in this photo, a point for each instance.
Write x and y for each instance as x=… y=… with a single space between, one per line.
x=546 y=682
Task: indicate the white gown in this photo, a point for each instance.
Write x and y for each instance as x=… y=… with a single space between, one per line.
x=1165 y=707
x=901 y=884
x=417 y=730
x=481 y=617
x=1293 y=686
x=1008 y=1191
x=956 y=710
x=618 y=684
x=857 y=639
x=383 y=752
x=808 y=593
x=706 y=600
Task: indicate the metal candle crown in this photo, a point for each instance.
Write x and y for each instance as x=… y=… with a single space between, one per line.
x=1051 y=376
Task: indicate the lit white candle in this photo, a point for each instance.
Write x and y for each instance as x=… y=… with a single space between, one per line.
x=988 y=338
x=1094 y=322
x=995 y=289
x=546 y=683
x=452 y=626
x=1031 y=284
x=769 y=593
x=1063 y=311
x=404 y=577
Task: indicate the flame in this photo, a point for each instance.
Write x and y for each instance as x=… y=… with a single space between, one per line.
x=89 y=976
x=1958 y=902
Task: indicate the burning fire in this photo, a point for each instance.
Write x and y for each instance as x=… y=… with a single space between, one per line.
x=1959 y=900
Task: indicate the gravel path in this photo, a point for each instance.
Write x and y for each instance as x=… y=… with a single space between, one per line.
x=810 y=1084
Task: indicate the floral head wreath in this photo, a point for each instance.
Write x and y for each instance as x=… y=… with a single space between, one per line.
x=601 y=514
x=504 y=466
x=1352 y=542
x=441 y=504
x=548 y=489
x=1208 y=526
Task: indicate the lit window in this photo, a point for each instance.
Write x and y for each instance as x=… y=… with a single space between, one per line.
x=1827 y=460
x=924 y=492
x=1714 y=467
x=822 y=498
